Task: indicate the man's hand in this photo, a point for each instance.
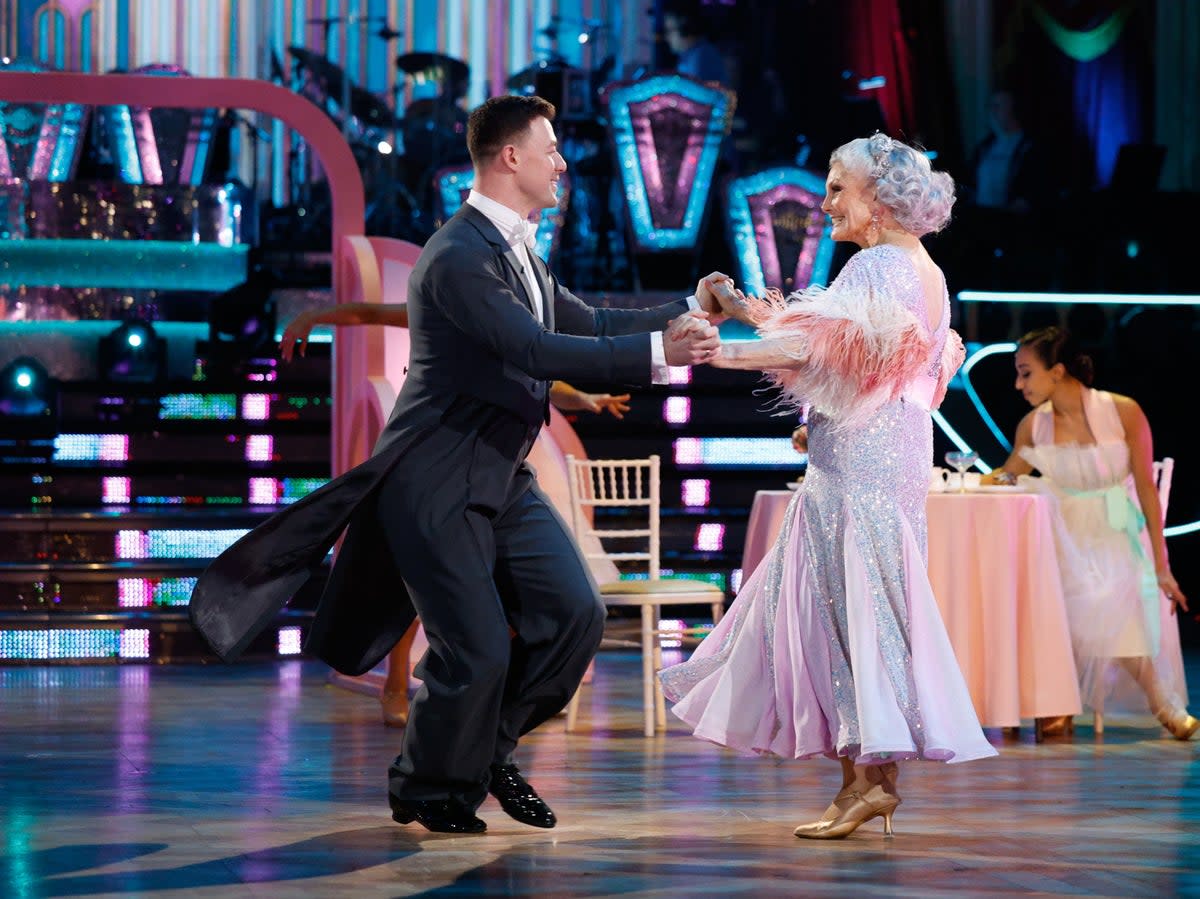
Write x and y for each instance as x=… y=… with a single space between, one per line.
x=800 y=439
x=691 y=340
x=295 y=335
x=707 y=293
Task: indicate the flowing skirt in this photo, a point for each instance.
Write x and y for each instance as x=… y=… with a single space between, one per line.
x=835 y=645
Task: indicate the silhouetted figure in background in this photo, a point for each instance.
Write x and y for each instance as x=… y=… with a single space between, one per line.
x=696 y=54
x=1005 y=170
x=1004 y=187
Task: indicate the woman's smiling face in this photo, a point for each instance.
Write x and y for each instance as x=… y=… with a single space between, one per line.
x=849 y=202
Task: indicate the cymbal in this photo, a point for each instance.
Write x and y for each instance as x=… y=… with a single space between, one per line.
x=326 y=70
x=417 y=63
x=335 y=82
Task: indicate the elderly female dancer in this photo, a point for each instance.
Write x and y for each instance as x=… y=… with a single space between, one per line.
x=835 y=646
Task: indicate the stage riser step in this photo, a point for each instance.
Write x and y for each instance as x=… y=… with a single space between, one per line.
x=74 y=554
x=73 y=639
x=218 y=446
x=164 y=487
x=58 y=594
x=247 y=406
x=129 y=537
x=267 y=486
x=151 y=591
x=725 y=493
x=172 y=545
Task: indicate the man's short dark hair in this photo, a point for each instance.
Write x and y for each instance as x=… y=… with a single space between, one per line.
x=498 y=121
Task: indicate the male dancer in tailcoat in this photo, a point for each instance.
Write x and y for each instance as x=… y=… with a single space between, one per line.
x=445 y=519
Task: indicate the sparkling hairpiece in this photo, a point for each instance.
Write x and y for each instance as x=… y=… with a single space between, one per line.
x=883 y=146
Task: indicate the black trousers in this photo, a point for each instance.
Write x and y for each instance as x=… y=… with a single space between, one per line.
x=510 y=610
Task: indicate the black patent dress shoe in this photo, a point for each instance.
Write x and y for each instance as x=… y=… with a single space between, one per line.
x=518 y=799
x=438 y=815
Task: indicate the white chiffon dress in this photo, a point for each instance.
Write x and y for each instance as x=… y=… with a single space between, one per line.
x=1114 y=607
x=835 y=645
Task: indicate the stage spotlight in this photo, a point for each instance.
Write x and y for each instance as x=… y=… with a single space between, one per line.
x=28 y=399
x=133 y=353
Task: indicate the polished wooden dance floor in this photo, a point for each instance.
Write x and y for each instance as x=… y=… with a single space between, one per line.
x=263 y=780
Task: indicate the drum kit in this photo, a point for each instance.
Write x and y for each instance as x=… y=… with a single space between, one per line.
x=400 y=152
x=397 y=153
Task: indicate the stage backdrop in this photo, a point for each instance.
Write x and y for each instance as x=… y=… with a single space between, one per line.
x=253 y=39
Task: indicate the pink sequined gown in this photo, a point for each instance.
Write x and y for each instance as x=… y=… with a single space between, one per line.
x=834 y=645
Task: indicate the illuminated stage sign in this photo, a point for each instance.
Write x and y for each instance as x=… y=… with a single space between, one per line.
x=160 y=146
x=39 y=142
x=778 y=232
x=667 y=132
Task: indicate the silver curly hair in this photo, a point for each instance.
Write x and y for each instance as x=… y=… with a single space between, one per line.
x=919 y=198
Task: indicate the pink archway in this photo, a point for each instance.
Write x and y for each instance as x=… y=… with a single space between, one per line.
x=322 y=135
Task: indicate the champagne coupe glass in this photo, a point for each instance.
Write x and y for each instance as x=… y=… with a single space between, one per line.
x=961 y=460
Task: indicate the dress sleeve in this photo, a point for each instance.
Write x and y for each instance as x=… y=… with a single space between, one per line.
x=857 y=345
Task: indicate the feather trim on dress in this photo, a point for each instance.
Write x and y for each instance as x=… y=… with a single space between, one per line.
x=856 y=350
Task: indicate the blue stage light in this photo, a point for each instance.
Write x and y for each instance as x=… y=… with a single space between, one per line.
x=133 y=353
x=28 y=399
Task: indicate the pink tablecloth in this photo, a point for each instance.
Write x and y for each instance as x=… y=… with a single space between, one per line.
x=995 y=576
x=766 y=518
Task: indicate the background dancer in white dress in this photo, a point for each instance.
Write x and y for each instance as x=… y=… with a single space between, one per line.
x=1095 y=454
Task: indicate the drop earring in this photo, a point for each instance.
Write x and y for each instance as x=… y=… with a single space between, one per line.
x=873 y=230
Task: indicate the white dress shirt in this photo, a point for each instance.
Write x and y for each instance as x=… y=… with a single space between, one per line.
x=513 y=227
x=516 y=229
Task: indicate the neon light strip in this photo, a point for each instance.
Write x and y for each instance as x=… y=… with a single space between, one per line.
x=969 y=388
x=126 y=264
x=716 y=578
x=320 y=334
x=1106 y=299
x=60 y=643
x=737 y=452
x=957 y=439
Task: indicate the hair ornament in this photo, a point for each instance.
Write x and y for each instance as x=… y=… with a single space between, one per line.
x=881 y=147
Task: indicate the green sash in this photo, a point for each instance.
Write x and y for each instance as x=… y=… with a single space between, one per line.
x=1124 y=515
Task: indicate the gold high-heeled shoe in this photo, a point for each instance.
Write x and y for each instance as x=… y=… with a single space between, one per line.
x=1178 y=722
x=854 y=809
x=834 y=809
x=1058 y=726
x=395 y=707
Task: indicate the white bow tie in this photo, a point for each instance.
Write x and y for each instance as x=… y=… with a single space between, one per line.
x=525 y=232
